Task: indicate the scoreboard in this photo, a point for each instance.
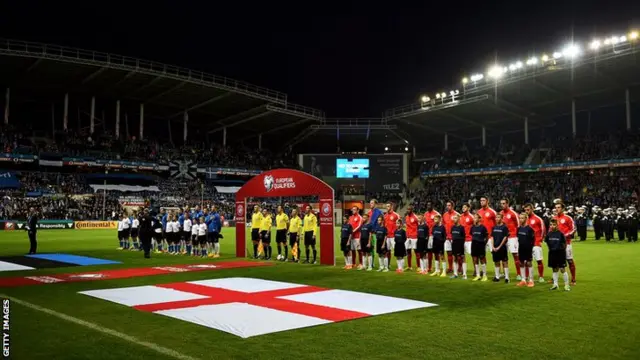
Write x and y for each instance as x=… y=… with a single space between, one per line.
x=376 y=172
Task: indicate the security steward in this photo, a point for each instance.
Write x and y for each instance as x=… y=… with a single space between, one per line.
x=32 y=229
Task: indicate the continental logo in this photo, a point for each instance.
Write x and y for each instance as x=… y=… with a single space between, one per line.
x=96 y=225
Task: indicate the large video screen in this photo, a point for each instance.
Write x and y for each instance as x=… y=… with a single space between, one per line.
x=352 y=168
x=383 y=173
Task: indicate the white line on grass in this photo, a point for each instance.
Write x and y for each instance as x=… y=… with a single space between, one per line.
x=157 y=348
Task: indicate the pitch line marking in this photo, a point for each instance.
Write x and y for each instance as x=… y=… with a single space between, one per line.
x=157 y=348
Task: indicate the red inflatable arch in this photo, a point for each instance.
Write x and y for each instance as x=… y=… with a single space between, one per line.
x=287 y=182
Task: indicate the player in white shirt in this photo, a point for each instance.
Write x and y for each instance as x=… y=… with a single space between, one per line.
x=126 y=230
x=135 y=225
x=193 y=249
x=169 y=233
x=176 y=236
x=202 y=237
x=185 y=243
x=120 y=234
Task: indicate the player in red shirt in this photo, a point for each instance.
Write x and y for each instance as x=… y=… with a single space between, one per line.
x=356 y=223
x=411 y=227
x=568 y=228
x=390 y=222
x=536 y=223
x=510 y=218
x=466 y=220
x=488 y=215
x=429 y=218
x=447 y=221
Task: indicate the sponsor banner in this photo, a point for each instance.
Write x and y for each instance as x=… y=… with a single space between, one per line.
x=577 y=165
x=55 y=163
x=89 y=225
x=18 y=158
x=232 y=304
x=112 y=164
x=212 y=172
x=125 y=273
x=42 y=224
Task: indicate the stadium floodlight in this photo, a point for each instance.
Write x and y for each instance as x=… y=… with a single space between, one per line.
x=614 y=40
x=545 y=58
x=622 y=38
x=571 y=51
x=519 y=65
x=595 y=45
x=454 y=92
x=477 y=77
x=633 y=35
x=443 y=95
x=512 y=67
x=532 y=61
x=406 y=148
x=496 y=71
x=386 y=148
x=438 y=96
x=465 y=81
x=425 y=99
x=557 y=55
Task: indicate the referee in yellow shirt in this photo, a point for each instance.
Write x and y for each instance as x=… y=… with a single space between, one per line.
x=265 y=232
x=310 y=228
x=282 y=222
x=256 y=221
x=295 y=228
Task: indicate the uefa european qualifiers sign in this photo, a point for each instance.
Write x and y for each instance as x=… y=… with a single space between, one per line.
x=288 y=183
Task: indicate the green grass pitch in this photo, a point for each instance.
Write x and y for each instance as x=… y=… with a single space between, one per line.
x=598 y=319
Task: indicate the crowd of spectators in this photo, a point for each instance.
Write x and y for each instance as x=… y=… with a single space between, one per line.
x=604 y=187
x=105 y=146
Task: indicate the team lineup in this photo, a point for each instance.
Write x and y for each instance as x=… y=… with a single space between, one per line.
x=440 y=243
x=431 y=236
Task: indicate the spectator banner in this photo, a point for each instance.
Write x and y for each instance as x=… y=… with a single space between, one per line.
x=42 y=224
x=8 y=180
x=90 y=225
x=131 y=201
x=183 y=169
x=386 y=172
x=575 y=165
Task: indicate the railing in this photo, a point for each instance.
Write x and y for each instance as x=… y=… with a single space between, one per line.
x=61 y=53
x=299 y=110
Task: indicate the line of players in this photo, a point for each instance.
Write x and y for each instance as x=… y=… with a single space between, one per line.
x=192 y=232
x=431 y=235
x=293 y=228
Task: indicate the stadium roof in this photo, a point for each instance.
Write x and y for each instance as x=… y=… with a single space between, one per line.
x=212 y=101
x=539 y=88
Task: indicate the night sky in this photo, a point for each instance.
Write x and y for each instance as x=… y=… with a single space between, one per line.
x=352 y=60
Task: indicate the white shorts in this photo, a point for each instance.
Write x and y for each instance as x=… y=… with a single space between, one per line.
x=512 y=245
x=467 y=247
x=411 y=244
x=569 y=252
x=447 y=245
x=355 y=244
x=430 y=243
x=390 y=242
x=537 y=253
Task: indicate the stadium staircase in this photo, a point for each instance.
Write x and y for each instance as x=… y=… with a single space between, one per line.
x=533 y=155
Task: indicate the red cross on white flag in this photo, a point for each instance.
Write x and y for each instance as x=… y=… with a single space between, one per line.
x=249 y=307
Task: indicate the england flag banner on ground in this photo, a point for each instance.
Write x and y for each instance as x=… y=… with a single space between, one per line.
x=249 y=307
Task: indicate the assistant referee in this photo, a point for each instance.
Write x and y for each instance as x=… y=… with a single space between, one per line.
x=310 y=228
